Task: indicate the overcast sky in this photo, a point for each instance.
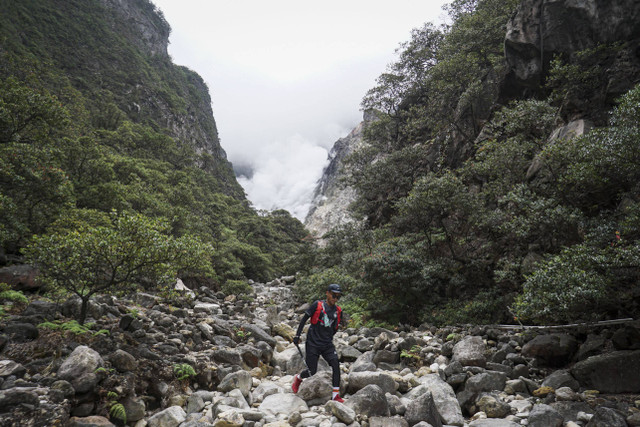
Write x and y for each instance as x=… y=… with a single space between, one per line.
x=286 y=79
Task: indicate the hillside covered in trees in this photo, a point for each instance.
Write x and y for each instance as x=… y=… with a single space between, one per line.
x=111 y=170
x=499 y=182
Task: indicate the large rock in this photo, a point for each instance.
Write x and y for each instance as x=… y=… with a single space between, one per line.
x=317 y=389
x=16 y=396
x=173 y=416
x=423 y=408
x=359 y=380
x=20 y=277
x=607 y=417
x=615 y=372
x=9 y=367
x=559 y=379
x=551 y=350
x=82 y=361
x=282 y=403
x=370 y=401
x=123 y=361
x=486 y=381
x=545 y=416
x=444 y=398
x=240 y=380
x=492 y=405
x=341 y=411
x=470 y=352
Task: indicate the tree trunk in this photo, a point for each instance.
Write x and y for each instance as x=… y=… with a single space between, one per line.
x=83 y=309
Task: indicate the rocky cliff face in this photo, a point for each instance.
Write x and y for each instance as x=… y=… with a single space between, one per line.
x=193 y=125
x=146 y=21
x=332 y=197
x=543 y=29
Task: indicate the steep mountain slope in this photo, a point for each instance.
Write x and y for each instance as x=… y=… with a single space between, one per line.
x=114 y=53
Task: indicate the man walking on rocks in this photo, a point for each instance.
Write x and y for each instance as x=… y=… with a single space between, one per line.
x=325 y=319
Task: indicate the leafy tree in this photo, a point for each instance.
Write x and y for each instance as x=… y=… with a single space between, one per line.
x=115 y=258
x=28 y=115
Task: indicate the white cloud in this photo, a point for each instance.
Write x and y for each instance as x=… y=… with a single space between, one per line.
x=286 y=78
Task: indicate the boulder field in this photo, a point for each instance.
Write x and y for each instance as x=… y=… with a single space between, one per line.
x=200 y=358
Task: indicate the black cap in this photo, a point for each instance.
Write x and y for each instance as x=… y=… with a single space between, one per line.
x=335 y=288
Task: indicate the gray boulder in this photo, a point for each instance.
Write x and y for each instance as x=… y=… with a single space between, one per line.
x=359 y=380
x=316 y=390
x=9 y=368
x=490 y=404
x=173 y=416
x=79 y=368
x=369 y=401
x=545 y=416
x=486 y=381
x=123 y=361
x=551 y=350
x=341 y=411
x=607 y=417
x=559 y=379
x=470 y=352
x=240 y=380
x=615 y=372
x=423 y=408
x=282 y=403
x=444 y=399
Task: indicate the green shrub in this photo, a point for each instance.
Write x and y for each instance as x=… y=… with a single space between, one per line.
x=484 y=308
x=236 y=287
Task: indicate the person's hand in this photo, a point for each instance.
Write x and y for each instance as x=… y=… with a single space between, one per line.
x=296 y=340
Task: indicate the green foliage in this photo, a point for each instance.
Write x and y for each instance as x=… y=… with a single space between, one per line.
x=566 y=284
x=597 y=169
x=183 y=371
x=115 y=258
x=412 y=353
x=241 y=334
x=8 y=294
x=117 y=411
x=486 y=307
x=73 y=327
x=236 y=287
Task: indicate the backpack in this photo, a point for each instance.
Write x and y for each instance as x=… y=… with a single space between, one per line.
x=320 y=309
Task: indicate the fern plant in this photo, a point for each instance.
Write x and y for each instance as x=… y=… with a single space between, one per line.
x=183 y=371
x=118 y=412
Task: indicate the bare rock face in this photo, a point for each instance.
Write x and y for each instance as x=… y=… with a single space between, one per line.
x=541 y=29
x=153 y=30
x=331 y=200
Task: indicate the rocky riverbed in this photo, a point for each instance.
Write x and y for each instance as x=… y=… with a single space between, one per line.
x=214 y=359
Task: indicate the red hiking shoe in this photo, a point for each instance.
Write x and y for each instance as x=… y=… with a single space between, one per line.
x=296 y=383
x=338 y=399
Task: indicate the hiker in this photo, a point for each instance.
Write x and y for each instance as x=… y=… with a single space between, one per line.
x=325 y=319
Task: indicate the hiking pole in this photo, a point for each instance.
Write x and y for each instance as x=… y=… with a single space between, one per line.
x=303 y=359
